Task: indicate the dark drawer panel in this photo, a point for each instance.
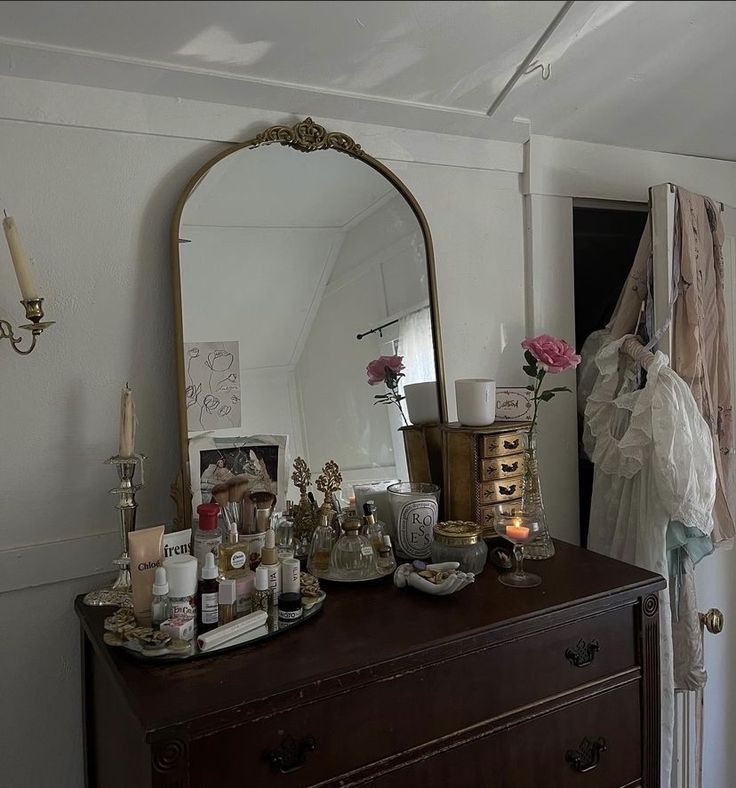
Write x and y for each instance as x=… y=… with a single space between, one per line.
x=543 y=752
x=387 y=717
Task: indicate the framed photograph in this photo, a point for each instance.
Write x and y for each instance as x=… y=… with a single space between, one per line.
x=232 y=468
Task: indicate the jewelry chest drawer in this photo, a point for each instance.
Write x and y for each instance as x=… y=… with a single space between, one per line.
x=494 y=468
x=500 y=444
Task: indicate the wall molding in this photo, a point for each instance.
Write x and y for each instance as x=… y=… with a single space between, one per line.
x=120 y=111
x=55 y=562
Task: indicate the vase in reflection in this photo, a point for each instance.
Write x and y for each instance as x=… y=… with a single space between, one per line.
x=541 y=545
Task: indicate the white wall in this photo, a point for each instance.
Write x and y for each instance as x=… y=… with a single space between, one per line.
x=92 y=177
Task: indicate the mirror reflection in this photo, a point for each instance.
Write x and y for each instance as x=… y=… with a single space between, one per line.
x=286 y=258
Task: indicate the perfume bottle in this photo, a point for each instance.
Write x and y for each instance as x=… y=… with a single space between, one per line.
x=233 y=565
x=386 y=561
x=372 y=528
x=353 y=557
x=285 y=534
x=320 y=550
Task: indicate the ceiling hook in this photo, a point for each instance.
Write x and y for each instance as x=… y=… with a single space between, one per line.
x=546 y=69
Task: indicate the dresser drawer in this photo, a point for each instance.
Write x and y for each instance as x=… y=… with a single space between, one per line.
x=384 y=718
x=595 y=742
x=495 y=468
x=501 y=444
x=500 y=491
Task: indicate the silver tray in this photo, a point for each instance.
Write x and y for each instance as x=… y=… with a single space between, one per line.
x=311 y=607
x=329 y=577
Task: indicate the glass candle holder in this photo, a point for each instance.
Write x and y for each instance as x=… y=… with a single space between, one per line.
x=519 y=528
x=415 y=507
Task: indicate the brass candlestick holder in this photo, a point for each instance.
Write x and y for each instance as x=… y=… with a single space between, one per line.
x=34 y=313
x=120 y=593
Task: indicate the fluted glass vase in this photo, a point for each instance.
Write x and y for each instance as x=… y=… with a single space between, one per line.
x=541 y=546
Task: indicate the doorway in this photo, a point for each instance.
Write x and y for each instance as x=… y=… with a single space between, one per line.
x=605 y=238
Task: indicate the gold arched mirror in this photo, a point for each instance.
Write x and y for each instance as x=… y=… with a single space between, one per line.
x=285 y=248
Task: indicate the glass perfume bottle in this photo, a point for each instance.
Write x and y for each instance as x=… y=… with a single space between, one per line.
x=233 y=564
x=372 y=528
x=285 y=534
x=353 y=557
x=386 y=561
x=320 y=549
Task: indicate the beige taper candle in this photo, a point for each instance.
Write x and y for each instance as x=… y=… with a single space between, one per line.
x=127 y=424
x=21 y=263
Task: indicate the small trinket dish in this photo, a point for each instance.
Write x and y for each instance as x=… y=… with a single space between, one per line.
x=434 y=579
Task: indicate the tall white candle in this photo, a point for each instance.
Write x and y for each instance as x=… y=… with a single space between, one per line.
x=127 y=424
x=21 y=262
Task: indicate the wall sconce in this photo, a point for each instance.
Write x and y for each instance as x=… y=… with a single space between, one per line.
x=31 y=301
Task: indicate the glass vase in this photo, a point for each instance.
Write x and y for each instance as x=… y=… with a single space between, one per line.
x=541 y=546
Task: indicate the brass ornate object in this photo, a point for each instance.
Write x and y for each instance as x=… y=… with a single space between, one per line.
x=307 y=136
x=305 y=520
x=34 y=313
x=329 y=482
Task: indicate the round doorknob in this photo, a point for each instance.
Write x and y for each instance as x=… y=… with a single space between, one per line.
x=713 y=620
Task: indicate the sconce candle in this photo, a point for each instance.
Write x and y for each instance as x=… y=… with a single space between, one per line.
x=127 y=424
x=21 y=262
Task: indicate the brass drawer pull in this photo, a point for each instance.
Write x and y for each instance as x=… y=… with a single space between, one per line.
x=292 y=754
x=509 y=468
x=582 y=655
x=511 y=445
x=587 y=756
x=507 y=490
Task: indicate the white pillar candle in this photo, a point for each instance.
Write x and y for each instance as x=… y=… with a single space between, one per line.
x=21 y=263
x=126 y=447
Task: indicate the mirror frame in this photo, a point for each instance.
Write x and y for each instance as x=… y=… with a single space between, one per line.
x=306 y=137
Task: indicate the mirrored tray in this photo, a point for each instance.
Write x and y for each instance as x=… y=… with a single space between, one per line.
x=330 y=577
x=311 y=607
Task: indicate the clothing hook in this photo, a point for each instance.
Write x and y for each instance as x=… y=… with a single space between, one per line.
x=546 y=69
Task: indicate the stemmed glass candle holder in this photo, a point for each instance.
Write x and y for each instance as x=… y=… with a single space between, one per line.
x=519 y=528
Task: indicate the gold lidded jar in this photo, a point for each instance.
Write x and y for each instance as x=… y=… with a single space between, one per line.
x=461 y=541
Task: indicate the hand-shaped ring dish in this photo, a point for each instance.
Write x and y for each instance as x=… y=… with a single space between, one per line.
x=435 y=579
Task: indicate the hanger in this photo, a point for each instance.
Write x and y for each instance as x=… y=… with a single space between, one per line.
x=633 y=348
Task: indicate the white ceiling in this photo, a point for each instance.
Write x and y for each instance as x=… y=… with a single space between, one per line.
x=645 y=74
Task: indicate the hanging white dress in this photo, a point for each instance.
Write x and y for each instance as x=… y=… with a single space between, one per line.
x=654 y=466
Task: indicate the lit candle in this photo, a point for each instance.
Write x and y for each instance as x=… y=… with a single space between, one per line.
x=21 y=263
x=126 y=447
x=516 y=531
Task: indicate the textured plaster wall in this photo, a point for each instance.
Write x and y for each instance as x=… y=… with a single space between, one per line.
x=92 y=177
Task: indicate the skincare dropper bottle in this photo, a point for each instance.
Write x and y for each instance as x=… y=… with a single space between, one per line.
x=207 y=596
x=270 y=559
x=160 y=607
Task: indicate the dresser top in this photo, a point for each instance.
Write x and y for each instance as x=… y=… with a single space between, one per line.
x=364 y=632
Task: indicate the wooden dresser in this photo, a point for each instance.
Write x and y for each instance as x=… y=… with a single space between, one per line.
x=547 y=687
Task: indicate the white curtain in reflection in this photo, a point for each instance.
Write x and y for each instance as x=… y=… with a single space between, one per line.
x=415 y=345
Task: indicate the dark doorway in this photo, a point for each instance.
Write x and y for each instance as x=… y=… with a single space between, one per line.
x=605 y=242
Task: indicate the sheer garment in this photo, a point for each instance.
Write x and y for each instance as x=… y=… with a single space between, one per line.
x=654 y=466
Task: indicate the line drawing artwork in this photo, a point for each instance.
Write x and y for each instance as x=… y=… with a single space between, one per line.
x=212 y=381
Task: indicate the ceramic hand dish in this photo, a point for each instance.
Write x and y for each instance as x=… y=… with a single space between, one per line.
x=435 y=579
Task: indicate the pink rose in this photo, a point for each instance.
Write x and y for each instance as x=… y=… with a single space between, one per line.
x=377 y=369
x=554 y=355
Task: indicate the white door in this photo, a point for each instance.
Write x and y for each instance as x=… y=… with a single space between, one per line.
x=715 y=576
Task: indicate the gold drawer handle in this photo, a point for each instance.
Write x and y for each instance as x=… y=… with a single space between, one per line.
x=509 y=445
x=509 y=468
x=507 y=490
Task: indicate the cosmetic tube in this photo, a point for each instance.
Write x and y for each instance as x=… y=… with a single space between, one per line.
x=146 y=551
x=234 y=629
